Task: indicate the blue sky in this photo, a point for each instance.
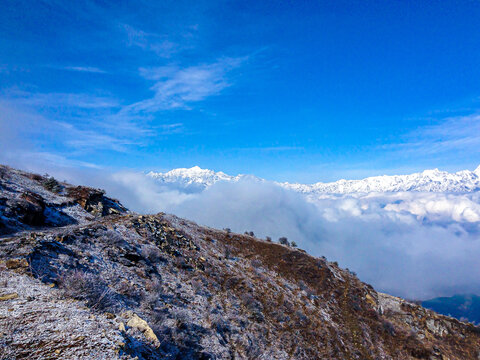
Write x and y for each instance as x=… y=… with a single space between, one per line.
x=294 y=90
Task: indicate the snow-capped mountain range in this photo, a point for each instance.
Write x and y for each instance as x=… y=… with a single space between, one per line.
x=197 y=179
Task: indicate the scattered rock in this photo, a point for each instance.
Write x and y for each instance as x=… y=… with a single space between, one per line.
x=136 y=322
x=121 y=327
x=16 y=264
x=8 y=296
x=109 y=315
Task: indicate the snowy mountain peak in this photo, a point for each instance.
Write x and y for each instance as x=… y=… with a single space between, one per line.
x=434 y=180
x=477 y=171
x=191 y=177
x=195 y=172
x=433 y=172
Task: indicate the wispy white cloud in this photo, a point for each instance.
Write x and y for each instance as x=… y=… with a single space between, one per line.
x=177 y=87
x=72 y=100
x=81 y=122
x=271 y=148
x=41 y=160
x=166 y=129
x=161 y=45
x=87 y=139
x=20 y=134
x=460 y=133
x=88 y=69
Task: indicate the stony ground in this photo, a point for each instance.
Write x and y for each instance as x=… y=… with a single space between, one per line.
x=111 y=284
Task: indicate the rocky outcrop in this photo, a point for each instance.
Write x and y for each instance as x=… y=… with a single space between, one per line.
x=94 y=201
x=30 y=201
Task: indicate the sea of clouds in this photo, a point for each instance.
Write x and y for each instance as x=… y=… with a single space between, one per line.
x=410 y=244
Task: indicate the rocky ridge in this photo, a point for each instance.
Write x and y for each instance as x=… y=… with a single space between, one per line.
x=30 y=201
x=113 y=284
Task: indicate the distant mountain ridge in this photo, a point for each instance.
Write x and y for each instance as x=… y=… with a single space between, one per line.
x=196 y=178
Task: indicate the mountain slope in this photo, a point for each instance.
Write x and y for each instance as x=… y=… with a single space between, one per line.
x=427 y=181
x=160 y=287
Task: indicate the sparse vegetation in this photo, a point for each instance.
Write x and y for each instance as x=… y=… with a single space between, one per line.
x=227 y=252
x=89 y=288
x=51 y=184
x=388 y=327
x=256 y=263
x=284 y=241
x=152 y=253
x=112 y=238
x=353 y=273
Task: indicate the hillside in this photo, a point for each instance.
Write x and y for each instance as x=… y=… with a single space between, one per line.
x=83 y=278
x=435 y=180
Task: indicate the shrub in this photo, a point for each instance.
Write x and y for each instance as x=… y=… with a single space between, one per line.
x=293 y=244
x=154 y=285
x=353 y=273
x=51 y=184
x=228 y=252
x=221 y=325
x=197 y=286
x=111 y=237
x=129 y=290
x=4 y=276
x=388 y=327
x=227 y=230
x=150 y=298
x=284 y=241
x=302 y=285
x=89 y=288
x=152 y=253
x=268 y=238
x=256 y=263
